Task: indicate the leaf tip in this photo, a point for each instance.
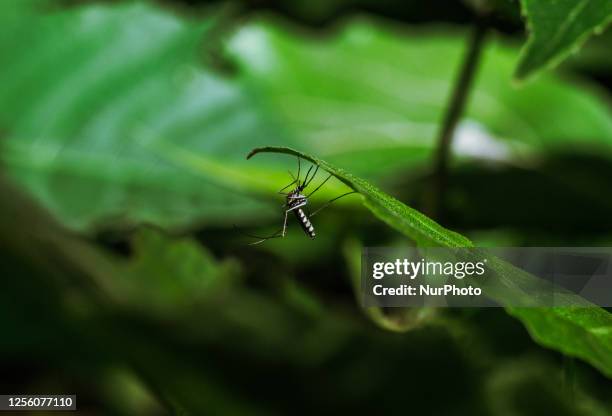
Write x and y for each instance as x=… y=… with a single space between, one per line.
x=518 y=79
x=253 y=152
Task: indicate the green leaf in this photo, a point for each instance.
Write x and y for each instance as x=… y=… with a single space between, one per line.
x=89 y=102
x=370 y=96
x=558 y=29
x=173 y=274
x=409 y=221
x=581 y=332
x=578 y=332
x=107 y=128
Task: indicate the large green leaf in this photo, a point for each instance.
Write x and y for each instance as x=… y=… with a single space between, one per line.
x=369 y=97
x=579 y=332
x=106 y=125
x=584 y=332
x=557 y=29
x=90 y=95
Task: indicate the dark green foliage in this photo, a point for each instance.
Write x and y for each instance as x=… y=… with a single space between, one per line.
x=123 y=133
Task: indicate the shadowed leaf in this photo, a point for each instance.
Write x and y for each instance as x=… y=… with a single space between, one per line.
x=558 y=29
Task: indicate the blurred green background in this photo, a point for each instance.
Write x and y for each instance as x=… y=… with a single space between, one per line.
x=124 y=128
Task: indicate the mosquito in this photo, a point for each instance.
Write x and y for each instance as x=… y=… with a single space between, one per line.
x=296 y=201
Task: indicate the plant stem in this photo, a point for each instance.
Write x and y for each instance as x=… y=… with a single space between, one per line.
x=453 y=113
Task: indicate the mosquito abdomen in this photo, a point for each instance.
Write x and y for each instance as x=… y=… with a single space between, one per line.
x=305 y=222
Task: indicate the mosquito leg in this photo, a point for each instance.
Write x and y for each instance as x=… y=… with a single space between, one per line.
x=306 y=183
x=328 y=203
x=261 y=239
x=306 y=177
x=299 y=166
x=265 y=239
x=319 y=187
x=285 y=222
x=281 y=191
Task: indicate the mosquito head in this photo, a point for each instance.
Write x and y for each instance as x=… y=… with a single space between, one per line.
x=296 y=194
